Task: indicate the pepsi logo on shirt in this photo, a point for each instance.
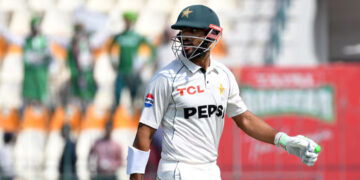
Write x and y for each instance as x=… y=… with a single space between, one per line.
x=149 y=100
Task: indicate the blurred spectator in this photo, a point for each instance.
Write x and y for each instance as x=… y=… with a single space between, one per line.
x=36 y=65
x=7 y=169
x=58 y=137
x=105 y=157
x=67 y=167
x=127 y=45
x=81 y=65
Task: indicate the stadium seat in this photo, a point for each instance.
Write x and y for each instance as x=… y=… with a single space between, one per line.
x=115 y=21
x=13 y=5
x=133 y=5
x=256 y=31
x=102 y=6
x=151 y=23
x=20 y=23
x=92 y=129
x=41 y=5
x=69 y=5
x=299 y=34
x=123 y=120
x=124 y=134
x=71 y=115
x=53 y=151
x=249 y=8
x=3 y=48
x=181 y=4
x=267 y=8
x=11 y=77
x=92 y=21
x=9 y=122
x=4 y=20
x=30 y=144
x=57 y=24
x=36 y=118
x=165 y=6
x=223 y=5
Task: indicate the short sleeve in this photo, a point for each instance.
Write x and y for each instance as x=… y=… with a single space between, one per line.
x=156 y=101
x=235 y=104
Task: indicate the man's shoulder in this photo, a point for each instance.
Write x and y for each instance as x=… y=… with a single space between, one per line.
x=220 y=66
x=170 y=70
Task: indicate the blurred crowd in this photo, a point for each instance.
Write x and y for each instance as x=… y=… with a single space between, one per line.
x=70 y=111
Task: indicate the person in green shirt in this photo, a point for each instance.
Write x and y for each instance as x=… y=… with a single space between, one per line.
x=81 y=65
x=128 y=43
x=36 y=57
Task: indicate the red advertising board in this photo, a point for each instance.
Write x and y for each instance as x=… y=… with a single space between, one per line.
x=322 y=103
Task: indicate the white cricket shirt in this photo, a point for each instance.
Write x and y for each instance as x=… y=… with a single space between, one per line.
x=190 y=105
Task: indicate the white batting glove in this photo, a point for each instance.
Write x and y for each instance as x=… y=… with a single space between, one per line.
x=304 y=148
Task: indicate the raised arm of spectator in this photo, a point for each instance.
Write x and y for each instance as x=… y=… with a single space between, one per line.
x=114 y=52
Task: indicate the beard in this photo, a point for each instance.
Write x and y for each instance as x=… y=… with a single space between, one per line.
x=194 y=52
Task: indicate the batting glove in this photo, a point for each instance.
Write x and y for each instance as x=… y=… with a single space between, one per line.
x=304 y=148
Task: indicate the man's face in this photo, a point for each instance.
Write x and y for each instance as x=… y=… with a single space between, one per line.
x=128 y=23
x=194 y=42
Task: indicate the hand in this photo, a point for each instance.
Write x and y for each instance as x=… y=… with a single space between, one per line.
x=304 y=148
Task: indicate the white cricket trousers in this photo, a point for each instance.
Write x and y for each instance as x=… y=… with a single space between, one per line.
x=175 y=170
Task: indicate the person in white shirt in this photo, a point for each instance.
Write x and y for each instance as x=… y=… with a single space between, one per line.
x=189 y=99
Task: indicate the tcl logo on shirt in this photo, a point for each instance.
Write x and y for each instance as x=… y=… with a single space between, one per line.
x=190 y=90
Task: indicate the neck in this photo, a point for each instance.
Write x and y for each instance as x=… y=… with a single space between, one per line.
x=203 y=61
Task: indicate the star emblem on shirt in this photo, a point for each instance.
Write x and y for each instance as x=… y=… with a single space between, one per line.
x=186 y=13
x=221 y=89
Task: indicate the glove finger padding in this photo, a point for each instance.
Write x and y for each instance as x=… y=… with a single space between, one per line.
x=309 y=154
x=299 y=142
x=309 y=160
x=312 y=145
x=297 y=145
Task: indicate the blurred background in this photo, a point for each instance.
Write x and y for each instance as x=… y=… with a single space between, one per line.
x=73 y=74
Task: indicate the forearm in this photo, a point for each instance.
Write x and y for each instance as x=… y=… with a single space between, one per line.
x=255 y=127
x=142 y=142
x=143 y=139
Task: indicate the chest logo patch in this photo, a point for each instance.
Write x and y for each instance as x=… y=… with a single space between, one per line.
x=191 y=90
x=149 y=100
x=221 y=89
